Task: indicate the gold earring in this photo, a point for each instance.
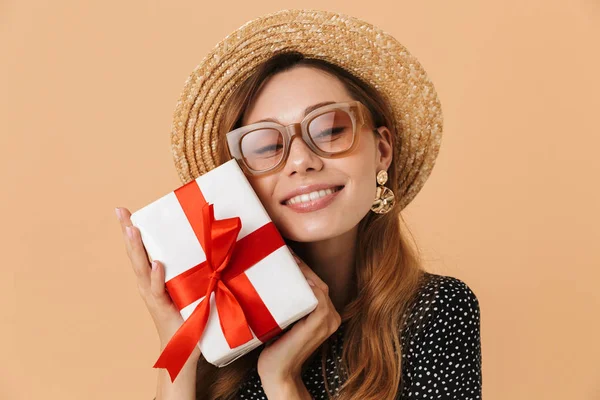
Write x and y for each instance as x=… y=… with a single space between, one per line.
x=384 y=197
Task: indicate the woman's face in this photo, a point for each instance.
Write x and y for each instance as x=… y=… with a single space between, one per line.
x=284 y=97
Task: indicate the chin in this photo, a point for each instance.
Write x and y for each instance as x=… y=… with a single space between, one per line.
x=311 y=232
x=306 y=236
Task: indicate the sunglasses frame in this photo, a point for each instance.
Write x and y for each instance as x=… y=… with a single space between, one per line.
x=359 y=115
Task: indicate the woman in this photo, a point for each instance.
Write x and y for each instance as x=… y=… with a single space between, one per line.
x=384 y=328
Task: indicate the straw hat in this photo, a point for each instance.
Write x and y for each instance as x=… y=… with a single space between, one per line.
x=356 y=45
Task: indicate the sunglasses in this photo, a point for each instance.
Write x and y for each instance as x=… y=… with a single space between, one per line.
x=329 y=131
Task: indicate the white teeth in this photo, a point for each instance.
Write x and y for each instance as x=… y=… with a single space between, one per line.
x=304 y=198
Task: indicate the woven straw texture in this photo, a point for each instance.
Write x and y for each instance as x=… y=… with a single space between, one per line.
x=355 y=45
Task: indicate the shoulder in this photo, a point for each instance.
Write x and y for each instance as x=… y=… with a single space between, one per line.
x=449 y=290
x=447 y=293
x=442 y=300
x=447 y=286
x=441 y=340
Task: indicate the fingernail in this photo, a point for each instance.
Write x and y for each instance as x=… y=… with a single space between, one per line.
x=311 y=283
x=129 y=232
x=118 y=212
x=153 y=265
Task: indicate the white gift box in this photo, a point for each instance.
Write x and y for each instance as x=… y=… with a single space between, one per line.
x=169 y=238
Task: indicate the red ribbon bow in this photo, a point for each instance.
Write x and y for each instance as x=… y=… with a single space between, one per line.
x=238 y=304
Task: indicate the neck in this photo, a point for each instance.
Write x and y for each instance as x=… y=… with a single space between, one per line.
x=333 y=261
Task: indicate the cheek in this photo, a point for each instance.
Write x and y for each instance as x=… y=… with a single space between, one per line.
x=361 y=171
x=263 y=186
x=365 y=188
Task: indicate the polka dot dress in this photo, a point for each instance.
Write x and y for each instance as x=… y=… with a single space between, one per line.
x=441 y=357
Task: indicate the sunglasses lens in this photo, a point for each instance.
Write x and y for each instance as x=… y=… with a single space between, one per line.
x=332 y=132
x=262 y=148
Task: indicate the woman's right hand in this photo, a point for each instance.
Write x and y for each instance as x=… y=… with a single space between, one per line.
x=151 y=282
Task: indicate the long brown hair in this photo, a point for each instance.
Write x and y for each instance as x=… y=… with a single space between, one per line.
x=387 y=275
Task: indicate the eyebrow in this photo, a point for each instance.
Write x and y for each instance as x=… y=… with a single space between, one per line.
x=306 y=111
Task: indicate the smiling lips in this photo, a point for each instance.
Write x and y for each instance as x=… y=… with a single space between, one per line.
x=316 y=199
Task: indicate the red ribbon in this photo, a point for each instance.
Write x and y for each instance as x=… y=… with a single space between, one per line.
x=238 y=304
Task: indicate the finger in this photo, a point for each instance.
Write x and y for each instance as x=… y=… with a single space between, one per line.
x=157 y=281
x=299 y=261
x=292 y=251
x=139 y=259
x=312 y=275
x=135 y=249
x=319 y=323
x=326 y=315
x=125 y=221
x=325 y=305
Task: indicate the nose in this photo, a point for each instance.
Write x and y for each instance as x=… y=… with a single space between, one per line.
x=301 y=158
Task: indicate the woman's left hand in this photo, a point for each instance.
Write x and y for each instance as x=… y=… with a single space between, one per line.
x=280 y=362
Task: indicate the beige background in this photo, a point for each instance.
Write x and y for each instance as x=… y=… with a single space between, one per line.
x=87 y=91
